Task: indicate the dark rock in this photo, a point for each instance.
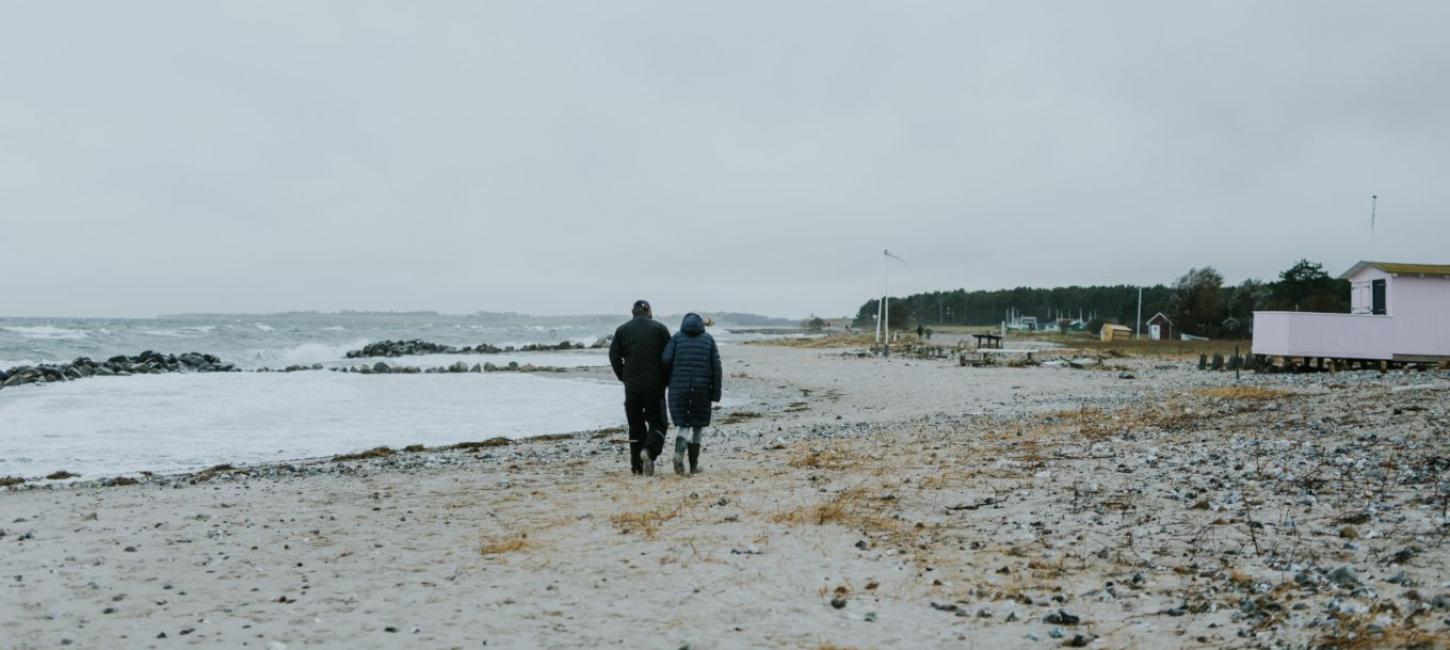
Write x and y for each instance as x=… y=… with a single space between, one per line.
x=1061 y=617
x=1344 y=576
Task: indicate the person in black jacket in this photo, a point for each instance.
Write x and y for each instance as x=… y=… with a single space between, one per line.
x=693 y=362
x=635 y=355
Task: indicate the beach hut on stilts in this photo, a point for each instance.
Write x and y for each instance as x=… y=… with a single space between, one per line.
x=1399 y=315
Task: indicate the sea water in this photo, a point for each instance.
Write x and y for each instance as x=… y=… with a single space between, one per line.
x=164 y=423
x=104 y=426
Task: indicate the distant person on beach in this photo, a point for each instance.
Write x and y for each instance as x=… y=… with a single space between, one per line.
x=635 y=355
x=693 y=363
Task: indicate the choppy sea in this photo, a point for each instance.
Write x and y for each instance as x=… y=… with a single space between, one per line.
x=105 y=426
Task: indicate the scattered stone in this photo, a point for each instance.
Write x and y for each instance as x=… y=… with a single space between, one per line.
x=1344 y=576
x=1061 y=617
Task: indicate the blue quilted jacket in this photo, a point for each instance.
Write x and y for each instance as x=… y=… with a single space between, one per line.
x=692 y=361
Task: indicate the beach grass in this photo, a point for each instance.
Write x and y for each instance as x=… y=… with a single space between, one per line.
x=503 y=545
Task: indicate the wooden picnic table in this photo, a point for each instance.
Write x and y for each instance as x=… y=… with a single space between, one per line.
x=991 y=341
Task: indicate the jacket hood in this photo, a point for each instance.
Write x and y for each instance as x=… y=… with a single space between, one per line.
x=693 y=325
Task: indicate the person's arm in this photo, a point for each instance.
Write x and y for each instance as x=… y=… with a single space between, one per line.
x=716 y=372
x=616 y=356
x=667 y=360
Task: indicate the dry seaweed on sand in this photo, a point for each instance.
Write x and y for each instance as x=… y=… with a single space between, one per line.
x=375 y=452
x=213 y=472
x=491 y=442
x=736 y=417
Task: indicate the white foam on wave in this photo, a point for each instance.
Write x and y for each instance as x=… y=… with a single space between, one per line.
x=106 y=426
x=6 y=364
x=167 y=333
x=48 y=332
x=264 y=327
x=304 y=354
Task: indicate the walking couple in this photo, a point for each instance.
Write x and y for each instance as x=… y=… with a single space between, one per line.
x=647 y=359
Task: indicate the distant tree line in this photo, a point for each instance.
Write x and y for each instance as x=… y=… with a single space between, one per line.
x=1198 y=302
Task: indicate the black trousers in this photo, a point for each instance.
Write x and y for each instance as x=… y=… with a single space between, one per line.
x=647 y=426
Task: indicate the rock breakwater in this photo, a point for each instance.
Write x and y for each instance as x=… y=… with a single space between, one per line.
x=381 y=368
x=146 y=363
x=401 y=348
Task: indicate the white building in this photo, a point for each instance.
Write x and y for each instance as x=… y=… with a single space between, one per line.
x=1399 y=312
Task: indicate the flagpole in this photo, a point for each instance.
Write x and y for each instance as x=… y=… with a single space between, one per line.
x=885 y=310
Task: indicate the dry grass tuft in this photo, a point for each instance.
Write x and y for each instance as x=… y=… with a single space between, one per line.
x=503 y=545
x=121 y=481
x=833 y=458
x=552 y=437
x=7 y=481
x=852 y=508
x=1244 y=392
x=1143 y=348
x=375 y=452
x=1356 y=631
x=61 y=475
x=644 y=522
x=413 y=449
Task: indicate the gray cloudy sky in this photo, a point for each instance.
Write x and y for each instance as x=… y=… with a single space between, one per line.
x=556 y=157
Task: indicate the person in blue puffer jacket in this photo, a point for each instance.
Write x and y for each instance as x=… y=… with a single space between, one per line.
x=692 y=363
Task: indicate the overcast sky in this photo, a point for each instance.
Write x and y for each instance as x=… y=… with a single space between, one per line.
x=555 y=157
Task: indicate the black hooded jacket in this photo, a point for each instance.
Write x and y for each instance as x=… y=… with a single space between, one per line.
x=635 y=355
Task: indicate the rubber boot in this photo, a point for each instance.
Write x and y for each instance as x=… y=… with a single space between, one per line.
x=680 y=445
x=635 y=467
x=646 y=461
x=694 y=458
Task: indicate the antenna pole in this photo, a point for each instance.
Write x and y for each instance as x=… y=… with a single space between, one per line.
x=1373 y=204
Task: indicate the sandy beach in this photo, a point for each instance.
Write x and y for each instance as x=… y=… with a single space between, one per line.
x=853 y=502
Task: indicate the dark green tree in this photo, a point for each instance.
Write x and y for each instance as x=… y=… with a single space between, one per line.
x=1306 y=287
x=1198 y=302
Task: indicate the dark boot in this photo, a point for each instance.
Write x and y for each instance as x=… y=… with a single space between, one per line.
x=679 y=458
x=694 y=458
x=635 y=467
